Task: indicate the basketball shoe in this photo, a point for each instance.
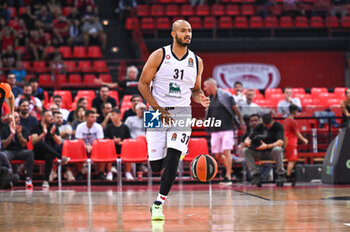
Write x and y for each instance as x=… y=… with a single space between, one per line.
x=157 y=211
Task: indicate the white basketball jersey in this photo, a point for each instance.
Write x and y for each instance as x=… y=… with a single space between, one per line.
x=174 y=80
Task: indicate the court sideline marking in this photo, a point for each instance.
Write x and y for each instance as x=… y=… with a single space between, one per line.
x=253 y=195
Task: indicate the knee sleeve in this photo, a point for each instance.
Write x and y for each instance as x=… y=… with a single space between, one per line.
x=171 y=163
x=157 y=165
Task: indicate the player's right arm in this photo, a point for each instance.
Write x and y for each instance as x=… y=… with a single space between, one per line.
x=148 y=73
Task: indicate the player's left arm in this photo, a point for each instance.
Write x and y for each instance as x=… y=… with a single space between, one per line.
x=197 y=93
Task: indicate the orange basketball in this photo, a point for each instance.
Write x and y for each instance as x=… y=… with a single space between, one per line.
x=204 y=168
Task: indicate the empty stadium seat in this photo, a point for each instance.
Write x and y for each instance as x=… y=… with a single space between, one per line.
x=196 y=22
x=71 y=66
x=186 y=10
x=45 y=80
x=90 y=79
x=202 y=10
x=172 y=10
x=100 y=66
x=298 y=90
x=339 y=92
x=225 y=22
x=247 y=10
x=105 y=78
x=40 y=66
x=301 y=22
x=345 y=22
x=147 y=23
x=232 y=10
x=66 y=10
x=66 y=52
x=94 y=52
x=209 y=22
x=256 y=22
x=157 y=10
x=26 y=65
x=142 y=10
x=316 y=90
x=268 y=92
x=286 y=22
x=332 y=22
x=241 y=22
x=79 y=52
x=271 y=21
x=89 y=93
x=316 y=22
x=217 y=10
x=163 y=23
x=130 y=23
x=84 y=66
x=61 y=79
x=74 y=79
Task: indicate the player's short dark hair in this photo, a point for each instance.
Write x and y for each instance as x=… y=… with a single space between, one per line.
x=293 y=108
x=57 y=96
x=23 y=100
x=267 y=118
x=33 y=79
x=88 y=112
x=115 y=110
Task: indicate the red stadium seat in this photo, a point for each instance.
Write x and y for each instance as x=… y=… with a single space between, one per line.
x=40 y=66
x=209 y=22
x=256 y=22
x=90 y=79
x=147 y=23
x=74 y=79
x=13 y=12
x=130 y=23
x=79 y=155
x=181 y=1
x=157 y=10
x=79 y=52
x=165 y=1
x=202 y=10
x=196 y=147
x=332 y=102
x=100 y=66
x=66 y=10
x=66 y=52
x=114 y=94
x=22 y=10
x=142 y=10
x=45 y=80
x=276 y=9
x=218 y=10
x=186 y=10
x=315 y=91
x=345 y=22
x=66 y=98
x=62 y=79
x=172 y=10
x=271 y=21
x=225 y=22
x=301 y=22
x=316 y=22
x=26 y=65
x=232 y=10
x=268 y=92
x=332 y=22
x=237 y=1
x=106 y=78
x=241 y=22
x=94 y=52
x=340 y=92
x=302 y=95
x=247 y=10
x=298 y=90
x=84 y=66
x=71 y=66
x=89 y=93
x=196 y=22
x=286 y=22
x=163 y=23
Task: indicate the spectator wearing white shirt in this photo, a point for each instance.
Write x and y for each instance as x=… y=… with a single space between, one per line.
x=89 y=131
x=35 y=105
x=283 y=105
x=249 y=107
x=57 y=100
x=239 y=96
x=135 y=123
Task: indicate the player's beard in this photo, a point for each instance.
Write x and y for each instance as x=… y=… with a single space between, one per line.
x=180 y=42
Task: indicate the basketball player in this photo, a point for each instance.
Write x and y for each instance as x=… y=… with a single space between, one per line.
x=176 y=74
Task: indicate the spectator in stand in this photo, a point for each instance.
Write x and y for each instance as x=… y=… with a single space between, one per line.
x=239 y=96
x=22 y=33
x=4 y=12
x=74 y=14
x=105 y=118
x=57 y=100
x=29 y=18
x=102 y=97
x=37 y=90
x=135 y=123
x=75 y=33
x=81 y=102
x=265 y=143
x=89 y=131
x=9 y=58
x=345 y=105
x=79 y=117
x=35 y=105
x=65 y=130
x=57 y=66
x=55 y=6
x=44 y=19
x=45 y=136
x=89 y=10
x=19 y=72
x=61 y=30
x=249 y=107
x=125 y=7
x=282 y=106
x=38 y=44
x=93 y=31
x=135 y=99
x=16 y=90
x=292 y=134
x=83 y=4
x=8 y=37
x=118 y=131
x=14 y=142
x=27 y=121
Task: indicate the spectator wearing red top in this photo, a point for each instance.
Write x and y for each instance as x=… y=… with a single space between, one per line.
x=61 y=30
x=22 y=32
x=8 y=37
x=38 y=44
x=292 y=135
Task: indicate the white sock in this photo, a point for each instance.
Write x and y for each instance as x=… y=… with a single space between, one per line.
x=161 y=198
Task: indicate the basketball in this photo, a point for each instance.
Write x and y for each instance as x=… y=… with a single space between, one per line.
x=204 y=168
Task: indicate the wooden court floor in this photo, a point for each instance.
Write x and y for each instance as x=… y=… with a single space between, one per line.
x=188 y=208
